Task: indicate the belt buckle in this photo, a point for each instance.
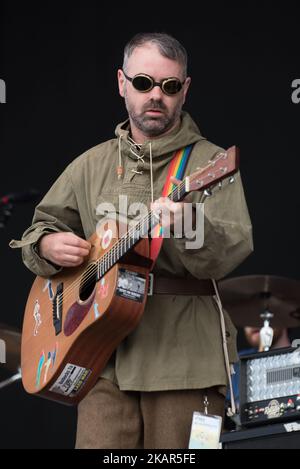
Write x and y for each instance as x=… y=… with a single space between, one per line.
x=150 y=286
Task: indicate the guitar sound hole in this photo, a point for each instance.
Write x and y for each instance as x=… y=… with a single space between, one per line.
x=88 y=282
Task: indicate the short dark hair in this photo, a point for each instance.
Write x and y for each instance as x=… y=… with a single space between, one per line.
x=167 y=45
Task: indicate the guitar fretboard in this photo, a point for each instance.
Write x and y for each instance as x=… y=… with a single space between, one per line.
x=128 y=240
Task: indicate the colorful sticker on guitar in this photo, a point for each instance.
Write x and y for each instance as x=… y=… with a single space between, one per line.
x=48 y=286
x=37 y=317
x=50 y=361
x=131 y=285
x=107 y=237
x=103 y=289
x=39 y=369
x=71 y=380
x=54 y=354
x=47 y=366
x=96 y=312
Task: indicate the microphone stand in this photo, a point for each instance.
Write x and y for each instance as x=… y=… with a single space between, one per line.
x=7 y=203
x=11 y=380
x=5 y=214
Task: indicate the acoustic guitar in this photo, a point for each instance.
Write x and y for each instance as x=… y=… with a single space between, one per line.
x=76 y=319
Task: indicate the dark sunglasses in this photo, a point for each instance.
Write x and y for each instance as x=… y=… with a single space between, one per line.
x=145 y=83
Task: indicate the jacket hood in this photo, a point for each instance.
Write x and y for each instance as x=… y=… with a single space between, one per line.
x=162 y=148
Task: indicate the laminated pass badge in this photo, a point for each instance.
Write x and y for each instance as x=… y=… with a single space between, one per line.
x=205 y=432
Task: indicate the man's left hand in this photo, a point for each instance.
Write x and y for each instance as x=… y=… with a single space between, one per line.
x=170 y=212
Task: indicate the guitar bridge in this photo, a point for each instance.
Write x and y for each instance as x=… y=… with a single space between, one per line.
x=57 y=305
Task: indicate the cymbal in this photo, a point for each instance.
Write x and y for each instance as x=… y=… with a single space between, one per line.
x=246 y=298
x=12 y=340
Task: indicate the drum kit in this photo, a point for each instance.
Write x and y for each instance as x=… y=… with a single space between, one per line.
x=261 y=301
x=250 y=299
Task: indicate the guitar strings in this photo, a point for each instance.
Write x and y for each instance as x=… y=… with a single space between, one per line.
x=86 y=278
x=93 y=268
x=107 y=258
x=102 y=263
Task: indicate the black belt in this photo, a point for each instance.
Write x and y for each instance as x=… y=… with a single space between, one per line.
x=180 y=286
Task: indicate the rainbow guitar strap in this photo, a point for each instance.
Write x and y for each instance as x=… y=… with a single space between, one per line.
x=176 y=169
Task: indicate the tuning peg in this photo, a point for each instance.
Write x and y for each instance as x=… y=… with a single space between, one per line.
x=208 y=193
x=220 y=185
x=231 y=180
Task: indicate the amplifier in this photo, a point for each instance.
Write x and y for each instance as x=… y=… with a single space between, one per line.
x=270 y=387
x=275 y=436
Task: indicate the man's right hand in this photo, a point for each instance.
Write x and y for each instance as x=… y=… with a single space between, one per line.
x=64 y=249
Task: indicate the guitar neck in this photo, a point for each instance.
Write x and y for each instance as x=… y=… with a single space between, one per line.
x=223 y=165
x=135 y=234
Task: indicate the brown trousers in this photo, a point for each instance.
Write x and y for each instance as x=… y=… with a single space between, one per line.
x=110 y=419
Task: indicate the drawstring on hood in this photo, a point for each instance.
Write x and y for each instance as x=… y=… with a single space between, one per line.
x=120 y=167
x=133 y=145
x=154 y=155
x=151 y=172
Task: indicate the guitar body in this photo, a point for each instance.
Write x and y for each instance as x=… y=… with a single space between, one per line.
x=74 y=321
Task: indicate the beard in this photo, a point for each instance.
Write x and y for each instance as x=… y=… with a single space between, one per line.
x=153 y=126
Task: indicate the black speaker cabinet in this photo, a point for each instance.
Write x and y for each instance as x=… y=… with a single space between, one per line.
x=275 y=436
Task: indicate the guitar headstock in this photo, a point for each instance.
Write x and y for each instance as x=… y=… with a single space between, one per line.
x=222 y=166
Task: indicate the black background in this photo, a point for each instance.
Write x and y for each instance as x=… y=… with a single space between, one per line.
x=60 y=64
